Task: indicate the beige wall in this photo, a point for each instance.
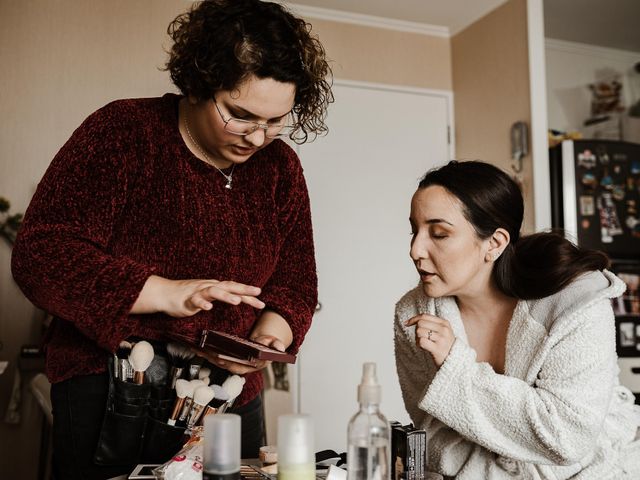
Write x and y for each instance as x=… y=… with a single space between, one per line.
x=386 y=56
x=490 y=64
x=60 y=61
x=63 y=59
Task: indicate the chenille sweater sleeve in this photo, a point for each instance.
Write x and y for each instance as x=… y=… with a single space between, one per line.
x=61 y=259
x=291 y=291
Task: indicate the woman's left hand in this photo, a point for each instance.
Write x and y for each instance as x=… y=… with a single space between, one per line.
x=241 y=368
x=434 y=335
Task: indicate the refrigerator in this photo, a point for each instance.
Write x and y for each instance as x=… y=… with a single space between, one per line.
x=595 y=200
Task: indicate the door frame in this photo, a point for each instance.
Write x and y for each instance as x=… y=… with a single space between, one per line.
x=430 y=92
x=447 y=95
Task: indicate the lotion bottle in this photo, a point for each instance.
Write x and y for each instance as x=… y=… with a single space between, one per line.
x=296 y=454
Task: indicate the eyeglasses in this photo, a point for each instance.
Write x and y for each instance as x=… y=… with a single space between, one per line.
x=238 y=126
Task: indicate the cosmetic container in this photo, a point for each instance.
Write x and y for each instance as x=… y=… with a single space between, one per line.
x=296 y=454
x=221 y=449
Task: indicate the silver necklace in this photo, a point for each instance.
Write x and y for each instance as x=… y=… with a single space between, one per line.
x=229 y=177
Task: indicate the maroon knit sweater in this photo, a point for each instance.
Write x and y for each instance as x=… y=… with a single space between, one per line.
x=125 y=198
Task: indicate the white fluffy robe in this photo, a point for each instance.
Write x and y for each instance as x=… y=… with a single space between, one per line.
x=558 y=411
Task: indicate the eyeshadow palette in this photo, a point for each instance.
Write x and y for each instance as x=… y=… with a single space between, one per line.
x=235 y=348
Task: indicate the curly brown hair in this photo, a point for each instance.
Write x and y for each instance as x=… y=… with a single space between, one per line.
x=218 y=44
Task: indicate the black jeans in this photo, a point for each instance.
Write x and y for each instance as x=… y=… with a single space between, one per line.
x=78 y=410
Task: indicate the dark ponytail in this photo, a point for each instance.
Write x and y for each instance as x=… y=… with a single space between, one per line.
x=534 y=266
x=542 y=264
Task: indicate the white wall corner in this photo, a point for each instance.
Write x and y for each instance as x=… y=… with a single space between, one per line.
x=538 y=99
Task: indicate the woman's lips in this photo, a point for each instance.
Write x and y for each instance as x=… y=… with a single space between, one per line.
x=243 y=150
x=424 y=275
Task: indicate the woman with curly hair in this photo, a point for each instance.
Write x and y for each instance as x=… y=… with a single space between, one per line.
x=172 y=215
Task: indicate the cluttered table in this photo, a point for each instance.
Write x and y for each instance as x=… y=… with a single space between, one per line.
x=250 y=470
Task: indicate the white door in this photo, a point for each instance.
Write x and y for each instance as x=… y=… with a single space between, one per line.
x=361 y=178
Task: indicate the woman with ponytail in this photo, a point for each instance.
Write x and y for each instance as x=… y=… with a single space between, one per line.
x=505 y=351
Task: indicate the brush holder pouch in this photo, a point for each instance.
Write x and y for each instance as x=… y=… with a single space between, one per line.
x=161 y=441
x=161 y=402
x=134 y=428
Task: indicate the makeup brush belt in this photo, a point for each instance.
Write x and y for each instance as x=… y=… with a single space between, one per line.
x=135 y=429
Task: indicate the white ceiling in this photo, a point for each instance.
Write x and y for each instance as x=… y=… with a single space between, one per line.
x=605 y=23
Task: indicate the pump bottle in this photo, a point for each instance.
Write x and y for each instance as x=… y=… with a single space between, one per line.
x=369 y=434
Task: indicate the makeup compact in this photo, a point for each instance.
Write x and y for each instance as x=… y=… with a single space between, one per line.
x=234 y=348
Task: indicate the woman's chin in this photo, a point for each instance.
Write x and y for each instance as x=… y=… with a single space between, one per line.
x=432 y=291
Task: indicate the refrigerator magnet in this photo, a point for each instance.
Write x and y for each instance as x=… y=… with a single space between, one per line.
x=635 y=167
x=607 y=180
x=618 y=192
x=589 y=181
x=603 y=156
x=627 y=337
x=619 y=157
x=608 y=218
x=585 y=224
x=586 y=159
x=587 y=205
x=632 y=222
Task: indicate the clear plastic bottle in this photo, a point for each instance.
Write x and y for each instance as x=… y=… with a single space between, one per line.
x=369 y=434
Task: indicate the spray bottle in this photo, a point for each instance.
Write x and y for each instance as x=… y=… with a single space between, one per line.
x=369 y=434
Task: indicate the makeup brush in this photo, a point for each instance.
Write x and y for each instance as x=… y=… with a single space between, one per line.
x=220 y=396
x=158 y=372
x=194 y=368
x=221 y=393
x=201 y=397
x=180 y=356
x=183 y=389
x=123 y=369
x=204 y=372
x=233 y=386
x=188 y=401
x=206 y=380
x=140 y=358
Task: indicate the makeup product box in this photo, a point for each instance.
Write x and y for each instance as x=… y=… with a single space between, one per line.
x=408 y=452
x=234 y=348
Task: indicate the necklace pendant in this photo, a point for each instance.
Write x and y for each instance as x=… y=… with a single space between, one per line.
x=228 y=185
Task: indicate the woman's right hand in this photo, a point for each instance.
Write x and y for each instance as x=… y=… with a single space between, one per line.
x=183 y=298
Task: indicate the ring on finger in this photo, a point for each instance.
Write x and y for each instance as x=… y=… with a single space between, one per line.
x=429 y=334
